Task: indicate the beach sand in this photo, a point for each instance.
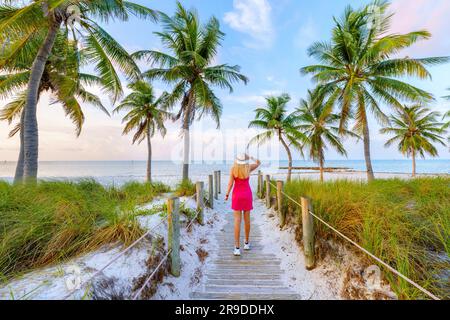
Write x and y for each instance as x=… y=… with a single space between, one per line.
x=328 y=281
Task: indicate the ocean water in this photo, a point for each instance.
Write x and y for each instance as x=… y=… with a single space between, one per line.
x=109 y=172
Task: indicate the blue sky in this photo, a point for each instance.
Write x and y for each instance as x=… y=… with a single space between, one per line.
x=268 y=39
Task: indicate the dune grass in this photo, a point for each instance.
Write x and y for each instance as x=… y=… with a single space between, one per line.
x=185 y=188
x=404 y=222
x=49 y=222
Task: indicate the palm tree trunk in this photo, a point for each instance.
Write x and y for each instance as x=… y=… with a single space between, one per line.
x=30 y=126
x=149 y=156
x=186 y=135
x=321 y=165
x=18 y=176
x=366 y=137
x=413 y=162
x=288 y=151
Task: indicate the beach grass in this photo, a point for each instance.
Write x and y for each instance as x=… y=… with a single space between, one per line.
x=404 y=222
x=185 y=188
x=50 y=222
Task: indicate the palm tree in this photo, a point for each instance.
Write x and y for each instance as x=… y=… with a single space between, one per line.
x=275 y=120
x=357 y=69
x=415 y=129
x=20 y=24
x=145 y=116
x=189 y=66
x=321 y=127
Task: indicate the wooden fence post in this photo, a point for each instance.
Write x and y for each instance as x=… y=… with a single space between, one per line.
x=200 y=205
x=260 y=184
x=220 y=181
x=268 y=191
x=216 y=185
x=308 y=234
x=281 y=212
x=211 y=191
x=173 y=214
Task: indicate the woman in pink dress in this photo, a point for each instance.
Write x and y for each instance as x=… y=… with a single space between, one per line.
x=242 y=199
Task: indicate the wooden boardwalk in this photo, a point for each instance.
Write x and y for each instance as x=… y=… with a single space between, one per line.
x=254 y=275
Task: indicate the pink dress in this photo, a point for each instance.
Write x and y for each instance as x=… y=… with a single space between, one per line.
x=242 y=198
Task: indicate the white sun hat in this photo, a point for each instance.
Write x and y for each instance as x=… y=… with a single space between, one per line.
x=241 y=159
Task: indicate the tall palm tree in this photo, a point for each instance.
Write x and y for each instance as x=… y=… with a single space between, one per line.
x=21 y=23
x=62 y=77
x=189 y=66
x=145 y=116
x=321 y=127
x=276 y=122
x=415 y=129
x=357 y=69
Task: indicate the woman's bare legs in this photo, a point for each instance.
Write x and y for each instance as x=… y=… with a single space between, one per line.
x=237 y=228
x=247 y=225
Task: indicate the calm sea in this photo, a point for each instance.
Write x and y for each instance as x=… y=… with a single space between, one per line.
x=121 y=171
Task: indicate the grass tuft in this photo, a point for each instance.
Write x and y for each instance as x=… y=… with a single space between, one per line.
x=186 y=188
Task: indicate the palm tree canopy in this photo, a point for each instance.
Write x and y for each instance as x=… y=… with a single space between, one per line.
x=189 y=64
x=274 y=120
x=144 y=111
x=62 y=76
x=357 y=67
x=24 y=27
x=415 y=129
x=320 y=125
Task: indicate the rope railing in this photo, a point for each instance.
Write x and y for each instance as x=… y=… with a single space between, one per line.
x=115 y=258
x=138 y=293
x=199 y=196
x=380 y=261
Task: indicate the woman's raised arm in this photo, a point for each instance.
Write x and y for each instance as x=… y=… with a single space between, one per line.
x=255 y=165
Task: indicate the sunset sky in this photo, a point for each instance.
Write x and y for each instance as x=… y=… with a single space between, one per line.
x=268 y=39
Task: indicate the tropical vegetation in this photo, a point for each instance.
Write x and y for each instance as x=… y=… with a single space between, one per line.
x=358 y=69
x=320 y=126
x=145 y=116
x=62 y=77
x=415 y=129
x=44 y=20
x=189 y=66
x=275 y=121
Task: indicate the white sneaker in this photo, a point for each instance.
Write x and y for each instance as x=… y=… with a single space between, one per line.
x=247 y=246
x=237 y=252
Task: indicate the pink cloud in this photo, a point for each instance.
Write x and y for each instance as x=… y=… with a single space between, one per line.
x=434 y=16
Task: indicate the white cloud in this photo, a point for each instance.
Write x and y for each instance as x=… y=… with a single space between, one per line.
x=306 y=35
x=252 y=17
